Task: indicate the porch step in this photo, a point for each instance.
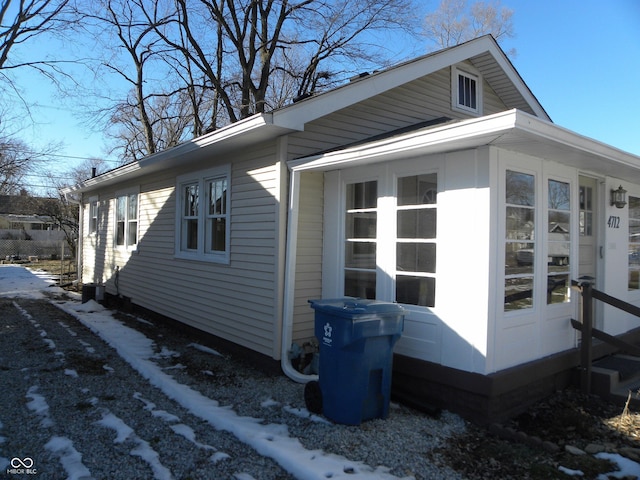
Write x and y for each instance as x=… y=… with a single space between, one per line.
x=614 y=376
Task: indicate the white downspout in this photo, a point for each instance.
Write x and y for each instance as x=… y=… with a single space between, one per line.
x=289 y=283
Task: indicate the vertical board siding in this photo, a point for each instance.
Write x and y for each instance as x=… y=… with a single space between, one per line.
x=235 y=301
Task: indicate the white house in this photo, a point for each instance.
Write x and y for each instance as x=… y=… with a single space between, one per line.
x=440 y=184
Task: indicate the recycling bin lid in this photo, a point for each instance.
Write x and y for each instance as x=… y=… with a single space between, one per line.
x=354 y=308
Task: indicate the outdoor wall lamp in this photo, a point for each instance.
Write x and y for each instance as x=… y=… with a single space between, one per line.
x=619 y=197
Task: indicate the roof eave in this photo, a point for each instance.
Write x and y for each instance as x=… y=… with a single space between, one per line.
x=311 y=108
x=246 y=132
x=511 y=130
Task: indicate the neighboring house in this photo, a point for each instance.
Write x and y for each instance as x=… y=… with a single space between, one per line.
x=21 y=213
x=26 y=229
x=425 y=184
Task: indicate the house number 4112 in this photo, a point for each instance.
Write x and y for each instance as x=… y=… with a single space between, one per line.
x=614 y=222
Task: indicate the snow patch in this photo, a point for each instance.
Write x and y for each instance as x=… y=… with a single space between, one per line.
x=70 y=458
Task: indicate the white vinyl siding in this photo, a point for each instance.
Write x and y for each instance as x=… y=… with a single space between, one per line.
x=308 y=254
x=424 y=99
x=235 y=301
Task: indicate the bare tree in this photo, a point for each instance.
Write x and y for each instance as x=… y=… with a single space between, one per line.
x=15 y=162
x=267 y=38
x=21 y=23
x=456 y=21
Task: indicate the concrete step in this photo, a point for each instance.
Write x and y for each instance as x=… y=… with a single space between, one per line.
x=614 y=376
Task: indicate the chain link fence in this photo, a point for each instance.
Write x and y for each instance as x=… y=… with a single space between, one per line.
x=41 y=249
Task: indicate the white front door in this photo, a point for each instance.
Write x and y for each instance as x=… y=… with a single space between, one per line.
x=588 y=228
x=590 y=250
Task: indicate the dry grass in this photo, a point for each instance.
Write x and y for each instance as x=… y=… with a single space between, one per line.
x=64 y=271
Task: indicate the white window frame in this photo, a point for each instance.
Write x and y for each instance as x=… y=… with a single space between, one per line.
x=127 y=221
x=94 y=207
x=455 y=90
x=201 y=179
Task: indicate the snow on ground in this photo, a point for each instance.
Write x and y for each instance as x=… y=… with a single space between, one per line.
x=271 y=440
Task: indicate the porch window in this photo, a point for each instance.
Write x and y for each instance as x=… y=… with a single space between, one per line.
x=520 y=247
x=416 y=240
x=559 y=241
x=634 y=243
x=361 y=218
x=127 y=220
x=203 y=215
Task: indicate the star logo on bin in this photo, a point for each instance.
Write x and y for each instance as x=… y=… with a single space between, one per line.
x=327 y=330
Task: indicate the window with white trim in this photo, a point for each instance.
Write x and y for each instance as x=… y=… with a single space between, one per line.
x=203 y=215
x=126 y=225
x=381 y=237
x=93 y=215
x=416 y=239
x=558 y=241
x=520 y=245
x=466 y=89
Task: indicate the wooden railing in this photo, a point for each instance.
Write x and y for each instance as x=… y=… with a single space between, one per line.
x=589 y=294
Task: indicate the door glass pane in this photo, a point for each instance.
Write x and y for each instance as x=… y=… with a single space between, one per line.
x=559 y=195
x=518 y=293
x=520 y=188
x=586 y=213
x=362 y=195
x=520 y=224
x=361 y=225
x=360 y=284
x=416 y=257
x=418 y=223
x=519 y=258
x=413 y=290
x=360 y=255
x=418 y=190
x=558 y=289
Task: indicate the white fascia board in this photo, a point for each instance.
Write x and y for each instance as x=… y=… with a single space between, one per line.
x=512 y=130
x=296 y=115
x=464 y=134
x=514 y=77
x=256 y=126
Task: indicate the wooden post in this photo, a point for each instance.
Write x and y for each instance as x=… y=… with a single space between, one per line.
x=61 y=262
x=587 y=326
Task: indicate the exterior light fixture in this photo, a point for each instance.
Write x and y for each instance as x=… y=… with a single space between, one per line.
x=619 y=197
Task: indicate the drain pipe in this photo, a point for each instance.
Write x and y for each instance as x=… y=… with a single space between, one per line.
x=289 y=283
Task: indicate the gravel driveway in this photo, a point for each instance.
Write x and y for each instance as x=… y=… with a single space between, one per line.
x=72 y=406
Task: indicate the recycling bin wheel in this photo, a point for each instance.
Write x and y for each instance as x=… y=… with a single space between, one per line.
x=313 y=397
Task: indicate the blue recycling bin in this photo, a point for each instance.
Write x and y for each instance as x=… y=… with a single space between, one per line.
x=356 y=340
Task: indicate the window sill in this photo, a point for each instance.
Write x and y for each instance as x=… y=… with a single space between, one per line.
x=222 y=259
